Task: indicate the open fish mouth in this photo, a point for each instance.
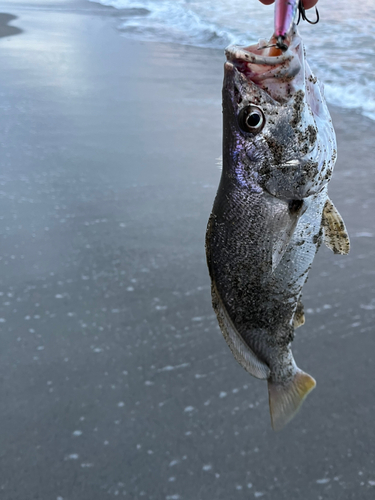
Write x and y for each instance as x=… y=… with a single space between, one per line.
x=279 y=90
x=269 y=68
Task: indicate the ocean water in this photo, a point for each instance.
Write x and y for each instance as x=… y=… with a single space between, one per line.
x=340 y=48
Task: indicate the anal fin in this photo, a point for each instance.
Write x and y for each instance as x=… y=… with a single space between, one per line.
x=335 y=234
x=240 y=350
x=286 y=399
x=299 y=316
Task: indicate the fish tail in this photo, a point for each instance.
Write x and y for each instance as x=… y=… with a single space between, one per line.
x=286 y=399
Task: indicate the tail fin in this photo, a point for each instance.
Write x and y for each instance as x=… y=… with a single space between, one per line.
x=286 y=400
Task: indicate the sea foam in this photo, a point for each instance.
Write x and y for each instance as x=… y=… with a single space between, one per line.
x=340 y=48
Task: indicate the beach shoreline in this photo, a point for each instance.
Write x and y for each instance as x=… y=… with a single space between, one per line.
x=116 y=378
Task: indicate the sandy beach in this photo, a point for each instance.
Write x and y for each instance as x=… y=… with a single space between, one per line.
x=115 y=378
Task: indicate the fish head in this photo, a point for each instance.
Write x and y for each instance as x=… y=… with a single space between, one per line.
x=278 y=134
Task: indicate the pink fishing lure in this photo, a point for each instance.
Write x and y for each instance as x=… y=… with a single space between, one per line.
x=285 y=13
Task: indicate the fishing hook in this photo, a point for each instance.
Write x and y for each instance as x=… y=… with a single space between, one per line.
x=302 y=14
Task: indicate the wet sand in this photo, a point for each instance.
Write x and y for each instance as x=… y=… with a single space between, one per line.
x=115 y=379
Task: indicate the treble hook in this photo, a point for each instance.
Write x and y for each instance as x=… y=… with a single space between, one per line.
x=302 y=14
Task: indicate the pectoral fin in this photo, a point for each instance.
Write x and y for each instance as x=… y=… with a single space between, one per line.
x=335 y=235
x=285 y=223
x=281 y=243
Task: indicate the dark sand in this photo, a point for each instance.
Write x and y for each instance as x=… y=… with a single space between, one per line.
x=115 y=380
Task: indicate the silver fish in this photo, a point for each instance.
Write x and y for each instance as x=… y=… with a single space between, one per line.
x=271 y=212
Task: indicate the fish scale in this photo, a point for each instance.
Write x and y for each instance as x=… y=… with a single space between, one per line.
x=271 y=213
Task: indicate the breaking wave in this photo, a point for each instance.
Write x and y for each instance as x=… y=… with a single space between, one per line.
x=341 y=50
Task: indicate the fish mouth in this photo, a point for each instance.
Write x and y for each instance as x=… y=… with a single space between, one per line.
x=258 y=55
x=268 y=67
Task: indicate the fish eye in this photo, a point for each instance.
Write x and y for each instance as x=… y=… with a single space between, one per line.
x=251 y=119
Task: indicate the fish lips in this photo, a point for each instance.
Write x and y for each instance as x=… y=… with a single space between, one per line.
x=241 y=89
x=277 y=74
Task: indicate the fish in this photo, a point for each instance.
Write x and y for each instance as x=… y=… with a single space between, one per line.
x=271 y=212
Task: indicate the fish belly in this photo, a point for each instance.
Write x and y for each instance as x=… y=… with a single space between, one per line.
x=255 y=300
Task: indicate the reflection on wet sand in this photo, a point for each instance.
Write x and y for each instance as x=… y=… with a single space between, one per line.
x=5 y=29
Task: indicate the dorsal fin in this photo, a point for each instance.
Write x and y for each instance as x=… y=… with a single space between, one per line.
x=240 y=350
